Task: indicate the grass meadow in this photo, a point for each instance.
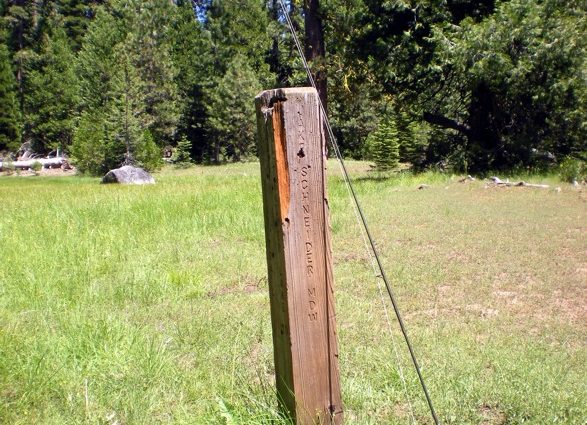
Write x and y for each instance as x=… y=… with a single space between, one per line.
x=149 y=305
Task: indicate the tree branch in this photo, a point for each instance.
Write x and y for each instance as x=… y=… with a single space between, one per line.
x=445 y=122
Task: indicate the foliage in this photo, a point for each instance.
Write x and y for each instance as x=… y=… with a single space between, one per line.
x=9 y=112
x=96 y=62
x=52 y=99
x=145 y=24
x=181 y=155
x=191 y=53
x=37 y=167
x=499 y=80
x=573 y=170
x=475 y=85
x=147 y=153
x=8 y=166
x=93 y=151
x=231 y=111
x=239 y=29
x=128 y=115
x=239 y=41
x=384 y=145
x=522 y=71
x=76 y=17
x=107 y=139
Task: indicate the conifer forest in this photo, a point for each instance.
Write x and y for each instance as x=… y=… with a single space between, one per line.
x=468 y=85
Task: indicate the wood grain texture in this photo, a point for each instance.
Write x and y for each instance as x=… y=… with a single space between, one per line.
x=299 y=255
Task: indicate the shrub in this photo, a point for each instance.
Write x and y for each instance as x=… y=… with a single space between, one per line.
x=91 y=151
x=8 y=166
x=573 y=169
x=181 y=156
x=37 y=167
x=147 y=154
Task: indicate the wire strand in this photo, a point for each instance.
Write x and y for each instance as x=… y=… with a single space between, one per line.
x=374 y=250
x=384 y=304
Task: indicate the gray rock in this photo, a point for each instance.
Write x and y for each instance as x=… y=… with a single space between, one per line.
x=128 y=175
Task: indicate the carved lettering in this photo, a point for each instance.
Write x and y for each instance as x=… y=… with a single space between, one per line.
x=304 y=185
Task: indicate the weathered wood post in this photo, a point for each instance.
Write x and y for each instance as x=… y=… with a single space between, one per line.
x=297 y=235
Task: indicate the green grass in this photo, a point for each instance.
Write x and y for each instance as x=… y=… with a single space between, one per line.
x=145 y=305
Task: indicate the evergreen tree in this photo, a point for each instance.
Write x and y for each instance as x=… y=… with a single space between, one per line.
x=147 y=23
x=191 y=54
x=501 y=80
x=93 y=151
x=9 y=123
x=181 y=157
x=283 y=57
x=231 y=111
x=240 y=41
x=53 y=95
x=385 y=145
x=76 y=17
x=240 y=28
x=24 y=23
x=122 y=103
x=128 y=117
x=147 y=154
x=96 y=62
x=315 y=49
x=407 y=143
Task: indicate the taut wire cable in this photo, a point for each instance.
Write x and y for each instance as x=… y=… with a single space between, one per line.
x=357 y=205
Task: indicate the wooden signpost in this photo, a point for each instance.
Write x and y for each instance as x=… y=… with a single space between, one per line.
x=297 y=233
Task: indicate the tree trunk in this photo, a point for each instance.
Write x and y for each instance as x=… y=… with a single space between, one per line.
x=20 y=65
x=445 y=122
x=28 y=163
x=315 y=50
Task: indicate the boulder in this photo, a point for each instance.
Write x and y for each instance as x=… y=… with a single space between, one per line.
x=128 y=175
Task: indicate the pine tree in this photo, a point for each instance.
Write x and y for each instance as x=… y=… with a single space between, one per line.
x=240 y=41
x=181 y=157
x=76 y=17
x=93 y=151
x=231 y=111
x=240 y=28
x=128 y=118
x=385 y=145
x=24 y=23
x=110 y=64
x=146 y=23
x=52 y=98
x=9 y=123
x=96 y=62
x=191 y=53
x=147 y=153
x=406 y=139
